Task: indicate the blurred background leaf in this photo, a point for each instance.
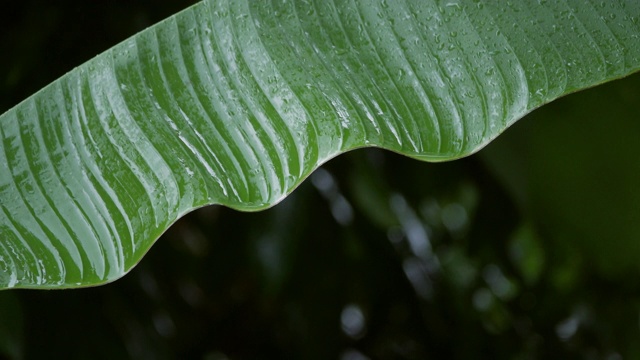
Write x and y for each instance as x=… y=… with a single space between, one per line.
x=526 y=250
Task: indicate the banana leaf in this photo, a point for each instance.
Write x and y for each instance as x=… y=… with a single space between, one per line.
x=237 y=102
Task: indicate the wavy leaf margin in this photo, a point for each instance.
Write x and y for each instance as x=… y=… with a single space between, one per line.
x=236 y=102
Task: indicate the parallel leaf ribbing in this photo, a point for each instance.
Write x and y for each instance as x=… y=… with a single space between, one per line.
x=235 y=102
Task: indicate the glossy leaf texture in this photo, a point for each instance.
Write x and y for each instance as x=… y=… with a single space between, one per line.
x=236 y=102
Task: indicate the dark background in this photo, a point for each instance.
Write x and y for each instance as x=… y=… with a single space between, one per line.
x=527 y=250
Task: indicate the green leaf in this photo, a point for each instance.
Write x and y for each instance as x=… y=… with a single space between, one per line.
x=236 y=102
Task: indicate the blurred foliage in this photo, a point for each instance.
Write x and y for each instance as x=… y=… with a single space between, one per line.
x=526 y=250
